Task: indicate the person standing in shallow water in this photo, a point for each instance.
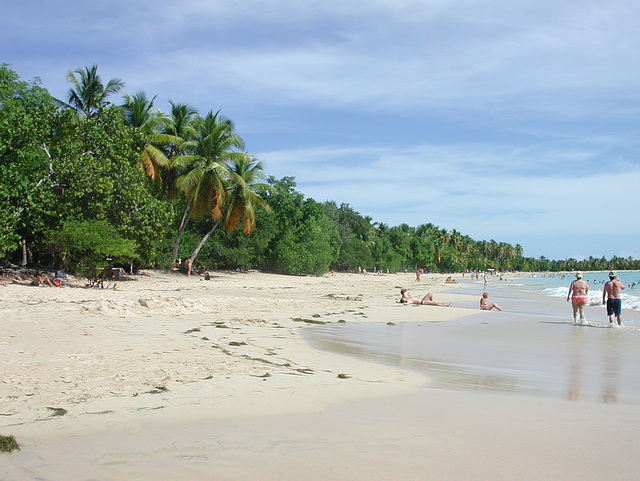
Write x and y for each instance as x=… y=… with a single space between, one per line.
x=578 y=293
x=611 y=297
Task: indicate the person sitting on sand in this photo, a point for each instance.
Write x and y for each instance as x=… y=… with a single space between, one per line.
x=427 y=300
x=487 y=307
x=578 y=292
x=450 y=280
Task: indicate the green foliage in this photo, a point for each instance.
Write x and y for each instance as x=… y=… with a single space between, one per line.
x=26 y=113
x=306 y=241
x=230 y=250
x=54 y=169
x=86 y=245
x=353 y=254
x=97 y=176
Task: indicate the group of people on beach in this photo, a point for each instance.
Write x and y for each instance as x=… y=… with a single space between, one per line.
x=578 y=290
x=427 y=300
x=41 y=279
x=611 y=297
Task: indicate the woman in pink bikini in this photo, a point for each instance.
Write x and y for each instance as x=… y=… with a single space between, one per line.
x=578 y=294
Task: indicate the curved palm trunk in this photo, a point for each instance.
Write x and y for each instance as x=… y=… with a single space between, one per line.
x=204 y=239
x=183 y=225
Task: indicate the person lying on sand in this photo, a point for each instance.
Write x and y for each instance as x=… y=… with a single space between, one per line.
x=427 y=300
x=41 y=280
x=487 y=307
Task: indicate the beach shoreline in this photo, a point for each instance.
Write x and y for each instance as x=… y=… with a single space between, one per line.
x=169 y=374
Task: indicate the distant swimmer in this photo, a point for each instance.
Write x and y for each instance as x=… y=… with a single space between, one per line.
x=611 y=297
x=427 y=300
x=578 y=293
x=487 y=307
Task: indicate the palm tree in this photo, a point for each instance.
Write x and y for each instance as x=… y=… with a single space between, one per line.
x=203 y=182
x=505 y=253
x=140 y=112
x=178 y=142
x=518 y=250
x=244 y=186
x=88 y=92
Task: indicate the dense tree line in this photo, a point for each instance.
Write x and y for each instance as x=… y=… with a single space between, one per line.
x=85 y=182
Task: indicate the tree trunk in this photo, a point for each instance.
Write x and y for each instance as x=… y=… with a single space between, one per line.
x=24 y=253
x=183 y=225
x=204 y=239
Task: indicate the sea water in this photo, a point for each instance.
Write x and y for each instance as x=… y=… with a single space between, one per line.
x=531 y=348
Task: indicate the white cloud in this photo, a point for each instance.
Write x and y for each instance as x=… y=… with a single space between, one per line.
x=500 y=55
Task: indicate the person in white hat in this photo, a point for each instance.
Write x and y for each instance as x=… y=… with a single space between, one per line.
x=578 y=293
x=611 y=297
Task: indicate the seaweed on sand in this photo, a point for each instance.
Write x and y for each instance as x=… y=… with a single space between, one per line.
x=158 y=390
x=308 y=321
x=57 y=411
x=8 y=444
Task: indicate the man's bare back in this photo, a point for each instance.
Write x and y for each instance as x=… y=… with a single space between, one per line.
x=613 y=288
x=614 y=304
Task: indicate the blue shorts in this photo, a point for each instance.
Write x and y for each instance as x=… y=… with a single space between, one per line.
x=614 y=307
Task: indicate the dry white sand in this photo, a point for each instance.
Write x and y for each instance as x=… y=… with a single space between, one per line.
x=169 y=377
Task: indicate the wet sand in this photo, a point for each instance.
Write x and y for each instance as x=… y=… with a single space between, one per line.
x=172 y=378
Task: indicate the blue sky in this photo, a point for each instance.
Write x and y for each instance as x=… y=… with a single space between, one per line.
x=517 y=121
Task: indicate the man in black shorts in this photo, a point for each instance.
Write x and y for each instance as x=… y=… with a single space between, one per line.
x=611 y=297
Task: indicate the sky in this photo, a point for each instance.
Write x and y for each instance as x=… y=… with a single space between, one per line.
x=517 y=121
